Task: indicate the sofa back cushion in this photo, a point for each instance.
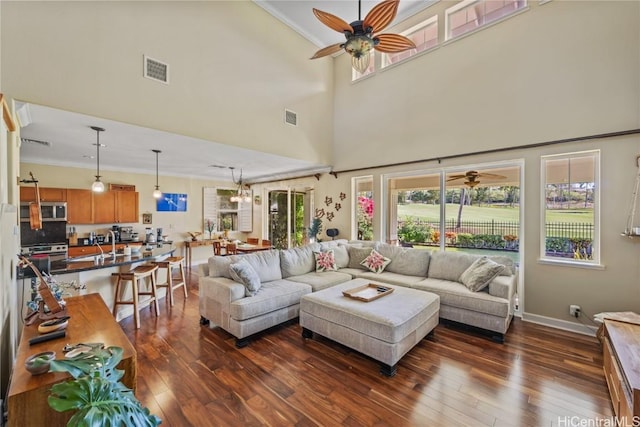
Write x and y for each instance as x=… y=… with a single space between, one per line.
x=357 y=255
x=219 y=265
x=297 y=261
x=449 y=265
x=510 y=266
x=409 y=261
x=340 y=252
x=266 y=264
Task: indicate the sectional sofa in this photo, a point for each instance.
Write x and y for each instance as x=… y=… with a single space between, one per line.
x=246 y=300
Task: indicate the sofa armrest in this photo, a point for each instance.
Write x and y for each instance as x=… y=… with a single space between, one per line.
x=203 y=270
x=221 y=289
x=215 y=297
x=503 y=286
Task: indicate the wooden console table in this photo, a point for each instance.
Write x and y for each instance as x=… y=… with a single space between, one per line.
x=188 y=244
x=90 y=322
x=621 y=351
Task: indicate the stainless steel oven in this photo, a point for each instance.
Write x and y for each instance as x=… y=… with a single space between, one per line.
x=51 y=211
x=55 y=251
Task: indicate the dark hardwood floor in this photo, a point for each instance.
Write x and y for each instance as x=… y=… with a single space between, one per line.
x=191 y=375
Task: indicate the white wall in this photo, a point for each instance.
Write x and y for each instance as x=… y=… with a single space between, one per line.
x=233 y=70
x=558 y=70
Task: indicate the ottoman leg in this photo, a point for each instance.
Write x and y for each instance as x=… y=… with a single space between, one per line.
x=388 y=370
x=306 y=333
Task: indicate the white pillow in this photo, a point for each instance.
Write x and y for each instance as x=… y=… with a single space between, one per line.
x=480 y=274
x=242 y=272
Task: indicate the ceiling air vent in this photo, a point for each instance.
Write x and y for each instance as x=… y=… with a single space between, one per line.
x=35 y=141
x=156 y=70
x=290 y=117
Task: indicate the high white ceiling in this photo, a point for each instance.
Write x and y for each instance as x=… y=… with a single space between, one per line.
x=128 y=148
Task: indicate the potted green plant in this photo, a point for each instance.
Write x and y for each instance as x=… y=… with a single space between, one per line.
x=96 y=392
x=314 y=229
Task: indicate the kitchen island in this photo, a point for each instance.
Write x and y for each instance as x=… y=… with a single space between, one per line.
x=93 y=274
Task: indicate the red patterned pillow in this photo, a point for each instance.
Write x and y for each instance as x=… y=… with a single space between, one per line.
x=376 y=262
x=325 y=261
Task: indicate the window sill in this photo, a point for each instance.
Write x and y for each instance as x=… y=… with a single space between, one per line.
x=571 y=263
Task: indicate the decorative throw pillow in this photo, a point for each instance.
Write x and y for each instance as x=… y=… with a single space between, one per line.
x=480 y=274
x=242 y=272
x=376 y=262
x=357 y=255
x=325 y=261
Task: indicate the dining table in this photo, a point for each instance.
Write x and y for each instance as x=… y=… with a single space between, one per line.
x=250 y=247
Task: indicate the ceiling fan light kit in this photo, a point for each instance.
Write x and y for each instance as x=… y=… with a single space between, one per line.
x=97 y=186
x=241 y=195
x=362 y=35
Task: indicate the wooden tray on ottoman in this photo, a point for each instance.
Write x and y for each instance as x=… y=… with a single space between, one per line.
x=368 y=292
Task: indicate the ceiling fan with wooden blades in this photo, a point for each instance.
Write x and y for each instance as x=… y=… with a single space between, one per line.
x=472 y=178
x=362 y=35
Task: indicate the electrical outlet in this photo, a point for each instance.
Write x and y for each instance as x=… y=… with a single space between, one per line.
x=574 y=310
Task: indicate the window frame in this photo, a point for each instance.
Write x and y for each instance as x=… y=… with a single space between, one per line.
x=596 y=262
x=433 y=20
x=485 y=24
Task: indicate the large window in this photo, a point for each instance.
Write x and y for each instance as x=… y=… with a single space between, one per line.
x=474 y=210
x=470 y=15
x=570 y=229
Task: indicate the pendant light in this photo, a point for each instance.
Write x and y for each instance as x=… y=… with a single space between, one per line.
x=157 y=193
x=97 y=186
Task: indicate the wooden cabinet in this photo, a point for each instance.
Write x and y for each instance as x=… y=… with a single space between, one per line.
x=79 y=206
x=115 y=207
x=110 y=207
x=28 y=194
x=77 y=251
x=621 y=364
x=127 y=206
x=104 y=207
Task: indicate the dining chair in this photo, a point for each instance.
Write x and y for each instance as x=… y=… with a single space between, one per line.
x=217 y=248
x=253 y=240
x=266 y=242
x=232 y=249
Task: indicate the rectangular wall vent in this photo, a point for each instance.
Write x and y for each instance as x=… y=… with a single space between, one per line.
x=290 y=117
x=156 y=70
x=35 y=141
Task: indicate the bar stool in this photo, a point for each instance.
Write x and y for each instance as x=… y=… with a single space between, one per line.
x=134 y=276
x=169 y=264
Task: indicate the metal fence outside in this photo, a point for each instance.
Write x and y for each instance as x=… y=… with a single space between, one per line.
x=569 y=230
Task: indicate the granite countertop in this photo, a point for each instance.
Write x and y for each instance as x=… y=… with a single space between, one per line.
x=88 y=262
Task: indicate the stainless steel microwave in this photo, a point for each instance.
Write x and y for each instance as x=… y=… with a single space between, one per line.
x=51 y=211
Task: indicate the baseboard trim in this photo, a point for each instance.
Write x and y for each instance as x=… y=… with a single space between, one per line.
x=579 y=328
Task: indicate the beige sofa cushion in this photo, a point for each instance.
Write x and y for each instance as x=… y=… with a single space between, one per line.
x=357 y=255
x=297 y=261
x=271 y=297
x=219 y=265
x=265 y=263
x=409 y=261
x=319 y=281
x=456 y=294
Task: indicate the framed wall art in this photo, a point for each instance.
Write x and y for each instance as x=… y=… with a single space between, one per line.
x=172 y=202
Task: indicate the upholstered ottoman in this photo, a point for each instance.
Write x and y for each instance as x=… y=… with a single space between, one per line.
x=384 y=329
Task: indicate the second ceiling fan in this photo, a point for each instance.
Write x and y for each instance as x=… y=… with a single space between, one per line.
x=472 y=178
x=362 y=35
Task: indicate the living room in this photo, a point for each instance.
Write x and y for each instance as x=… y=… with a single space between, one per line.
x=557 y=71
